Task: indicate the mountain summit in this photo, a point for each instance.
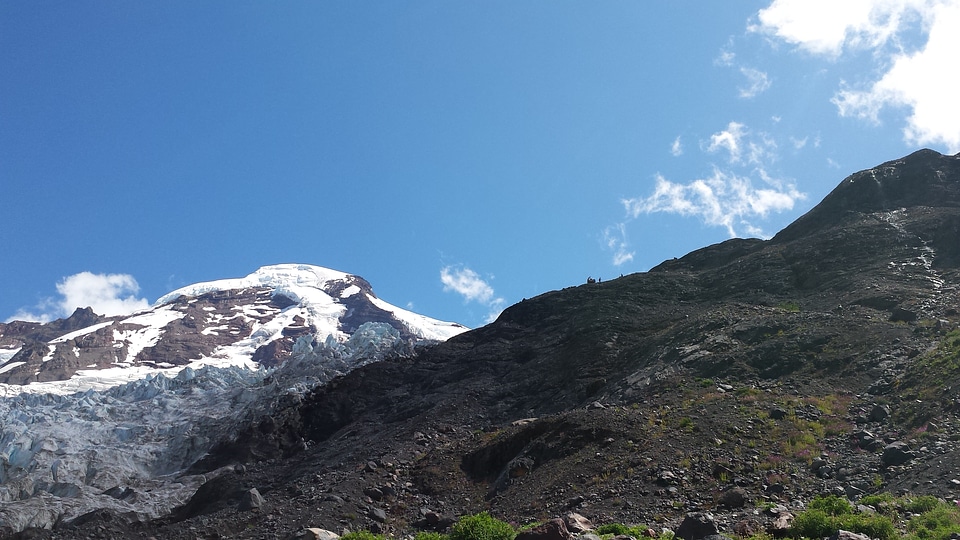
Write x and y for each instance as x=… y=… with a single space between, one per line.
x=250 y=321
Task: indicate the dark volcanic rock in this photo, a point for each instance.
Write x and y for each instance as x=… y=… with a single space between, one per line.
x=697 y=525
x=896 y=453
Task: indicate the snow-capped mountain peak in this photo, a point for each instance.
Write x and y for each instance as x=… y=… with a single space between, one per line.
x=251 y=321
x=277 y=276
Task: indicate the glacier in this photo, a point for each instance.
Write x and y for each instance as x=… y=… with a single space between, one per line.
x=125 y=448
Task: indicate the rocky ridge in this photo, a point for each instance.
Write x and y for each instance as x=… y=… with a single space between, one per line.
x=737 y=382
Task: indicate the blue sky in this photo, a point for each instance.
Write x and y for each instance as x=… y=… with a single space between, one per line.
x=460 y=156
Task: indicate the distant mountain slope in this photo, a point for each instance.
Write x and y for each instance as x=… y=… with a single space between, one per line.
x=251 y=321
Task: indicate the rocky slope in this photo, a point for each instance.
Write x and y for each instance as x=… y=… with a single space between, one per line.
x=741 y=379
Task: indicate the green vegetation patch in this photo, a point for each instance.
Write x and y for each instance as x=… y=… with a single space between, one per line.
x=826 y=515
x=481 y=526
x=362 y=535
x=927 y=375
x=615 y=529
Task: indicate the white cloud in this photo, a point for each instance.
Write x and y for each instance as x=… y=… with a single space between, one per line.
x=920 y=80
x=726 y=57
x=106 y=294
x=30 y=316
x=734 y=196
x=723 y=199
x=472 y=288
x=826 y=27
x=758 y=82
x=676 y=148
x=615 y=239
x=730 y=140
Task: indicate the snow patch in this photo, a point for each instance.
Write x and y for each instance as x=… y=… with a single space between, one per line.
x=11 y=365
x=275 y=277
x=152 y=323
x=7 y=354
x=350 y=291
x=422 y=327
x=82 y=332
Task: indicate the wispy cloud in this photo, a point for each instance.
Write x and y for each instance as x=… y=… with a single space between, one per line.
x=106 y=294
x=615 y=238
x=723 y=199
x=468 y=284
x=676 y=149
x=729 y=140
x=737 y=195
x=757 y=82
x=918 y=80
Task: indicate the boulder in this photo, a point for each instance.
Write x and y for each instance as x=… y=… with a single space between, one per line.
x=896 y=453
x=378 y=515
x=554 y=529
x=867 y=441
x=777 y=413
x=879 y=413
x=733 y=498
x=782 y=523
x=250 y=500
x=847 y=535
x=747 y=527
x=697 y=526
x=576 y=523
x=315 y=533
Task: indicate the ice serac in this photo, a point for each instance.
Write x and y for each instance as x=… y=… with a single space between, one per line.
x=251 y=321
x=110 y=412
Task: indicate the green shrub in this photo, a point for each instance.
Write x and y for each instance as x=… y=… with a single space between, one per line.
x=831 y=505
x=481 y=527
x=877 y=499
x=813 y=524
x=921 y=504
x=615 y=529
x=825 y=515
x=872 y=525
x=883 y=503
x=937 y=523
x=429 y=535
x=362 y=535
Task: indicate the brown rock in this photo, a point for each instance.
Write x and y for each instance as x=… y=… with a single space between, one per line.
x=576 y=523
x=554 y=529
x=782 y=523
